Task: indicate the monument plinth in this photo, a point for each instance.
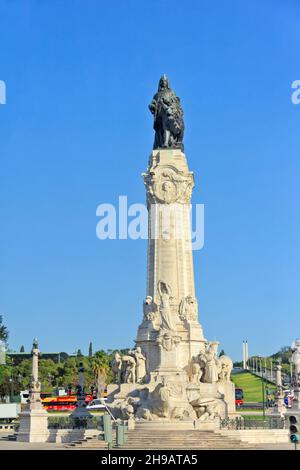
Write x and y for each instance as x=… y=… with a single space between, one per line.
x=174 y=374
x=34 y=420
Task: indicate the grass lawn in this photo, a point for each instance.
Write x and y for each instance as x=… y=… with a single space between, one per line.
x=251 y=386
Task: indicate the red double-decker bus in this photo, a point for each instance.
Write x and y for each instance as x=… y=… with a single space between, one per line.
x=64 y=403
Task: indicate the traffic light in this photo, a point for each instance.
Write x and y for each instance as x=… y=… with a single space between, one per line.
x=294 y=429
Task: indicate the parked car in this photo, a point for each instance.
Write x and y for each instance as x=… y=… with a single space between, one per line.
x=96 y=404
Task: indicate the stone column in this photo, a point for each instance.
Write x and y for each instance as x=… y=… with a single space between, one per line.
x=169 y=185
x=34 y=421
x=279 y=407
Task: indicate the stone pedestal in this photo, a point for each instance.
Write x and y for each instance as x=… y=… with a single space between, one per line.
x=33 y=426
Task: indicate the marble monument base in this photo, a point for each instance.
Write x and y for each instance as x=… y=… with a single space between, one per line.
x=170 y=401
x=33 y=426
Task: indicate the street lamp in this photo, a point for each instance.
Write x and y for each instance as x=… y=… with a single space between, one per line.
x=291 y=371
x=271 y=368
x=262 y=387
x=263 y=394
x=11 y=380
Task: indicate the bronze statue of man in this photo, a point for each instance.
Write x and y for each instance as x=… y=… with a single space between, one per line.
x=168 y=117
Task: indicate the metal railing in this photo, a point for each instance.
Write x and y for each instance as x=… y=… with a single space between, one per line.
x=240 y=423
x=66 y=422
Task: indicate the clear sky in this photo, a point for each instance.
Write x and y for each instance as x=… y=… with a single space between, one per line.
x=76 y=132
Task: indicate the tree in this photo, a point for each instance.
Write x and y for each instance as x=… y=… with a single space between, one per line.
x=90 y=350
x=79 y=353
x=22 y=349
x=100 y=368
x=222 y=353
x=3 y=331
x=5 y=377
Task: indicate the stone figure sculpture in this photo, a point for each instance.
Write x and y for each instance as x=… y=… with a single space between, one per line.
x=149 y=308
x=130 y=368
x=168 y=117
x=130 y=374
x=206 y=367
x=140 y=365
x=158 y=404
x=211 y=364
x=116 y=367
x=225 y=366
x=196 y=372
x=188 y=309
x=165 y=311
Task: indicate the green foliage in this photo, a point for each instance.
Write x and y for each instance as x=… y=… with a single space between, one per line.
x=51 y=374
x=100 y=364
x=285 y=354
x=22 y=349
x=5 y=385
x=3 y=331
x=90 y=350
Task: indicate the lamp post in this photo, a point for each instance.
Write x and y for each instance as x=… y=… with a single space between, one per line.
x=291 y=371
x=263 y=394
x=11 y=381
x=271 y=368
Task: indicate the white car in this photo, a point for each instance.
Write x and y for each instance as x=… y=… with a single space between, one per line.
x=96 y=404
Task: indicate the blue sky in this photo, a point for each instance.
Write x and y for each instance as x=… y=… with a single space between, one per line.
x=76 y=132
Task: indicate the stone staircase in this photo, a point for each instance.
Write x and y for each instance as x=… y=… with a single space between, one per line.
x=180 y=439
x=89 y=442
x=143 y=439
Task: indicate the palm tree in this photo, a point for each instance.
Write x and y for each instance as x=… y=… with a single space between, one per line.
x=100 y=368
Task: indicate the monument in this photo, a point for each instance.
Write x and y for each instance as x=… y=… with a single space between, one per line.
x=34 y=421
x=174 y=374
x=80 y=416
x=279 y=394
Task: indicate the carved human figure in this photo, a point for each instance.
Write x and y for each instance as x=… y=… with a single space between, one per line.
x=225 y=366
x=211 y=364
x=130 y=370
x=188 y=309
x=168 y=117
x=165 y=310
x=196 y=372
x=149 y=309
x=116 y=367
x=140 y=365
